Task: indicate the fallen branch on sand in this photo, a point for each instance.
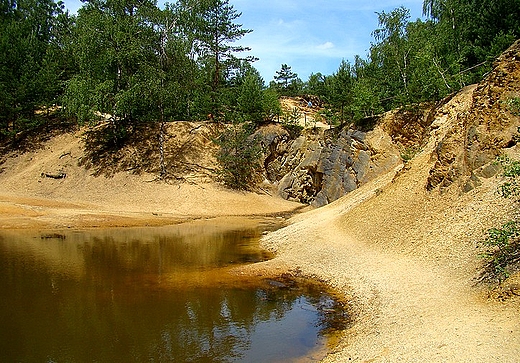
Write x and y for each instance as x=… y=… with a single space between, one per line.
x=60 y=175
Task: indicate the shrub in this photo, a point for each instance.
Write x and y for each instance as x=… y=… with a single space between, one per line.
x=503 y=244
x=291 y=122
x=408 y=154
x=239 y=156
x=511 y=188
x=513 y=105
x=502 y=250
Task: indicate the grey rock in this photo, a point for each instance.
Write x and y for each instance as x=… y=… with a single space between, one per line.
x=320 y=166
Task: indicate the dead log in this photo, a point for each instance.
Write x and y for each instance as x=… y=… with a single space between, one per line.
x=54 y=176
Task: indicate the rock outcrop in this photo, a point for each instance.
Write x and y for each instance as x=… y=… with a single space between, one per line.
x=322 y=165
x=488 y=125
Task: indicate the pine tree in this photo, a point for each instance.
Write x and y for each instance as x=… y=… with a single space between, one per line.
x=250 y=97
x=116 y=51
x=31 y=61
x=341 y=91
x=212 y=23
x=286 y=81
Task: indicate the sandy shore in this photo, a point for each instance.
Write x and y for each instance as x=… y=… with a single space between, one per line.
x=22 y=212
x=407 y=262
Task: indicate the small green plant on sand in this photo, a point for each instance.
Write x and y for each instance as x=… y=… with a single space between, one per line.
x=502 y=245
x=502 y=250
x=408 y=154
x=511 y=188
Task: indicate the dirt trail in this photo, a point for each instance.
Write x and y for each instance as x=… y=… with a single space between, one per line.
x=308 y=115
x=410 y=305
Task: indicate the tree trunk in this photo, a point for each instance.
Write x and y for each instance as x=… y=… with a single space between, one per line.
x=161 y=145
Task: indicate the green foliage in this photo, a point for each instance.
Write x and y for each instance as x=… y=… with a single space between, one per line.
x=408 y=154
x=247 y=96
x=331 y=116
x=513 y=105
x=474 y=32
x=138 y=63
x=270 y=104
x=349 y=93
x=286 y=82
x=365 y=101
x=115 y=48
x=210 y=26
x=340 y=87
x=411 y=66
x=250 y=97
x=316 y=85
x=291 y=122
x=32 y=33
x=239 y=155
x=503 y=244
x=502 y=249
x=422 y=60
x=510 y=188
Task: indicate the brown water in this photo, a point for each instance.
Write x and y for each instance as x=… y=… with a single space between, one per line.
x=152 y=295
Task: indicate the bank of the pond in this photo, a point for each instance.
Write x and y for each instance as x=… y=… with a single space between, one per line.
x=170 y=205
x=405 y=261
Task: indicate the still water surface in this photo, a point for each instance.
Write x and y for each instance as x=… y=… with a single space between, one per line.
x=151 y=295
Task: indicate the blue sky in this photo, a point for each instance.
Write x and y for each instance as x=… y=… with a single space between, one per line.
x=311 y=36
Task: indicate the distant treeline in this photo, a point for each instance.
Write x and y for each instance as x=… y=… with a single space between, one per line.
x=129 y=61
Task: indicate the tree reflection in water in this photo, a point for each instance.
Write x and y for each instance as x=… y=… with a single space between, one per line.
x=151 y=295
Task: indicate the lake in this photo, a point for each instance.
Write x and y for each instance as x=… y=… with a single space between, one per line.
x=155 y=295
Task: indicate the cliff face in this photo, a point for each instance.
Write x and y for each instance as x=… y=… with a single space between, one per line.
x=322 y=165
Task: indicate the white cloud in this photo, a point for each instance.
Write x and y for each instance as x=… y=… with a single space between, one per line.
x=311 y=35
x=325 y=46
